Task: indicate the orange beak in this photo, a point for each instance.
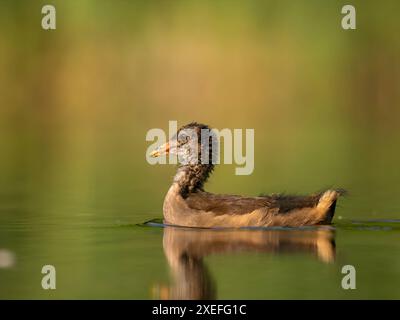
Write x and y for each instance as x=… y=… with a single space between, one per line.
x=164 y=149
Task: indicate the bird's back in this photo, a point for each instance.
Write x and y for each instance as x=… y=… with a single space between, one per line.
x=203 y=209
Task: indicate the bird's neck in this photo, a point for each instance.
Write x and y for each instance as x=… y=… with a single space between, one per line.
x=191 y=178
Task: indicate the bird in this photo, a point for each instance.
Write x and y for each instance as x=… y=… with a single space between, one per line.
x=187 y=204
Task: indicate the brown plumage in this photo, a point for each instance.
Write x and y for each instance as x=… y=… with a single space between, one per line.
x=187 y=204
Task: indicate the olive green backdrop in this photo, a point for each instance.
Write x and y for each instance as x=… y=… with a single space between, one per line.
x=76 y=103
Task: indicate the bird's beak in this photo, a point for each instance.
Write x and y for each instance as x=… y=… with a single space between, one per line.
x=164 y=149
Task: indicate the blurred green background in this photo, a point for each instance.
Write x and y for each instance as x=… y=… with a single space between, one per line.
x=76 y=103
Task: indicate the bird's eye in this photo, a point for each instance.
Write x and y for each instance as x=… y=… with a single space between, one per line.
x=182 y=140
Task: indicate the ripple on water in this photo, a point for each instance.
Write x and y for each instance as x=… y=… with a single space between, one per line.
x=369 y=225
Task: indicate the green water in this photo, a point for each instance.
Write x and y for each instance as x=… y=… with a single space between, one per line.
x=83 y=210
x=114 y=258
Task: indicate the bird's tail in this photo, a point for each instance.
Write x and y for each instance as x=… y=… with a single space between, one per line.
x=327 y=202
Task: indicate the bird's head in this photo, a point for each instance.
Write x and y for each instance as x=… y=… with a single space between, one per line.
x=194 y=144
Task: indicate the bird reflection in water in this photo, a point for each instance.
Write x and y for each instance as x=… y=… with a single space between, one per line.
x=185 y=249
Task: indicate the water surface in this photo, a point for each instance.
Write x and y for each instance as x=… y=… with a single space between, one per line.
x=111 y=258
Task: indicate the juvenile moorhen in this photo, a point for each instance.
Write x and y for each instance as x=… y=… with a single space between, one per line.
x=187 y=204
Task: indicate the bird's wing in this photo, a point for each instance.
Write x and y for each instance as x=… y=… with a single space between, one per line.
x=227 y=204
x=233 y=204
